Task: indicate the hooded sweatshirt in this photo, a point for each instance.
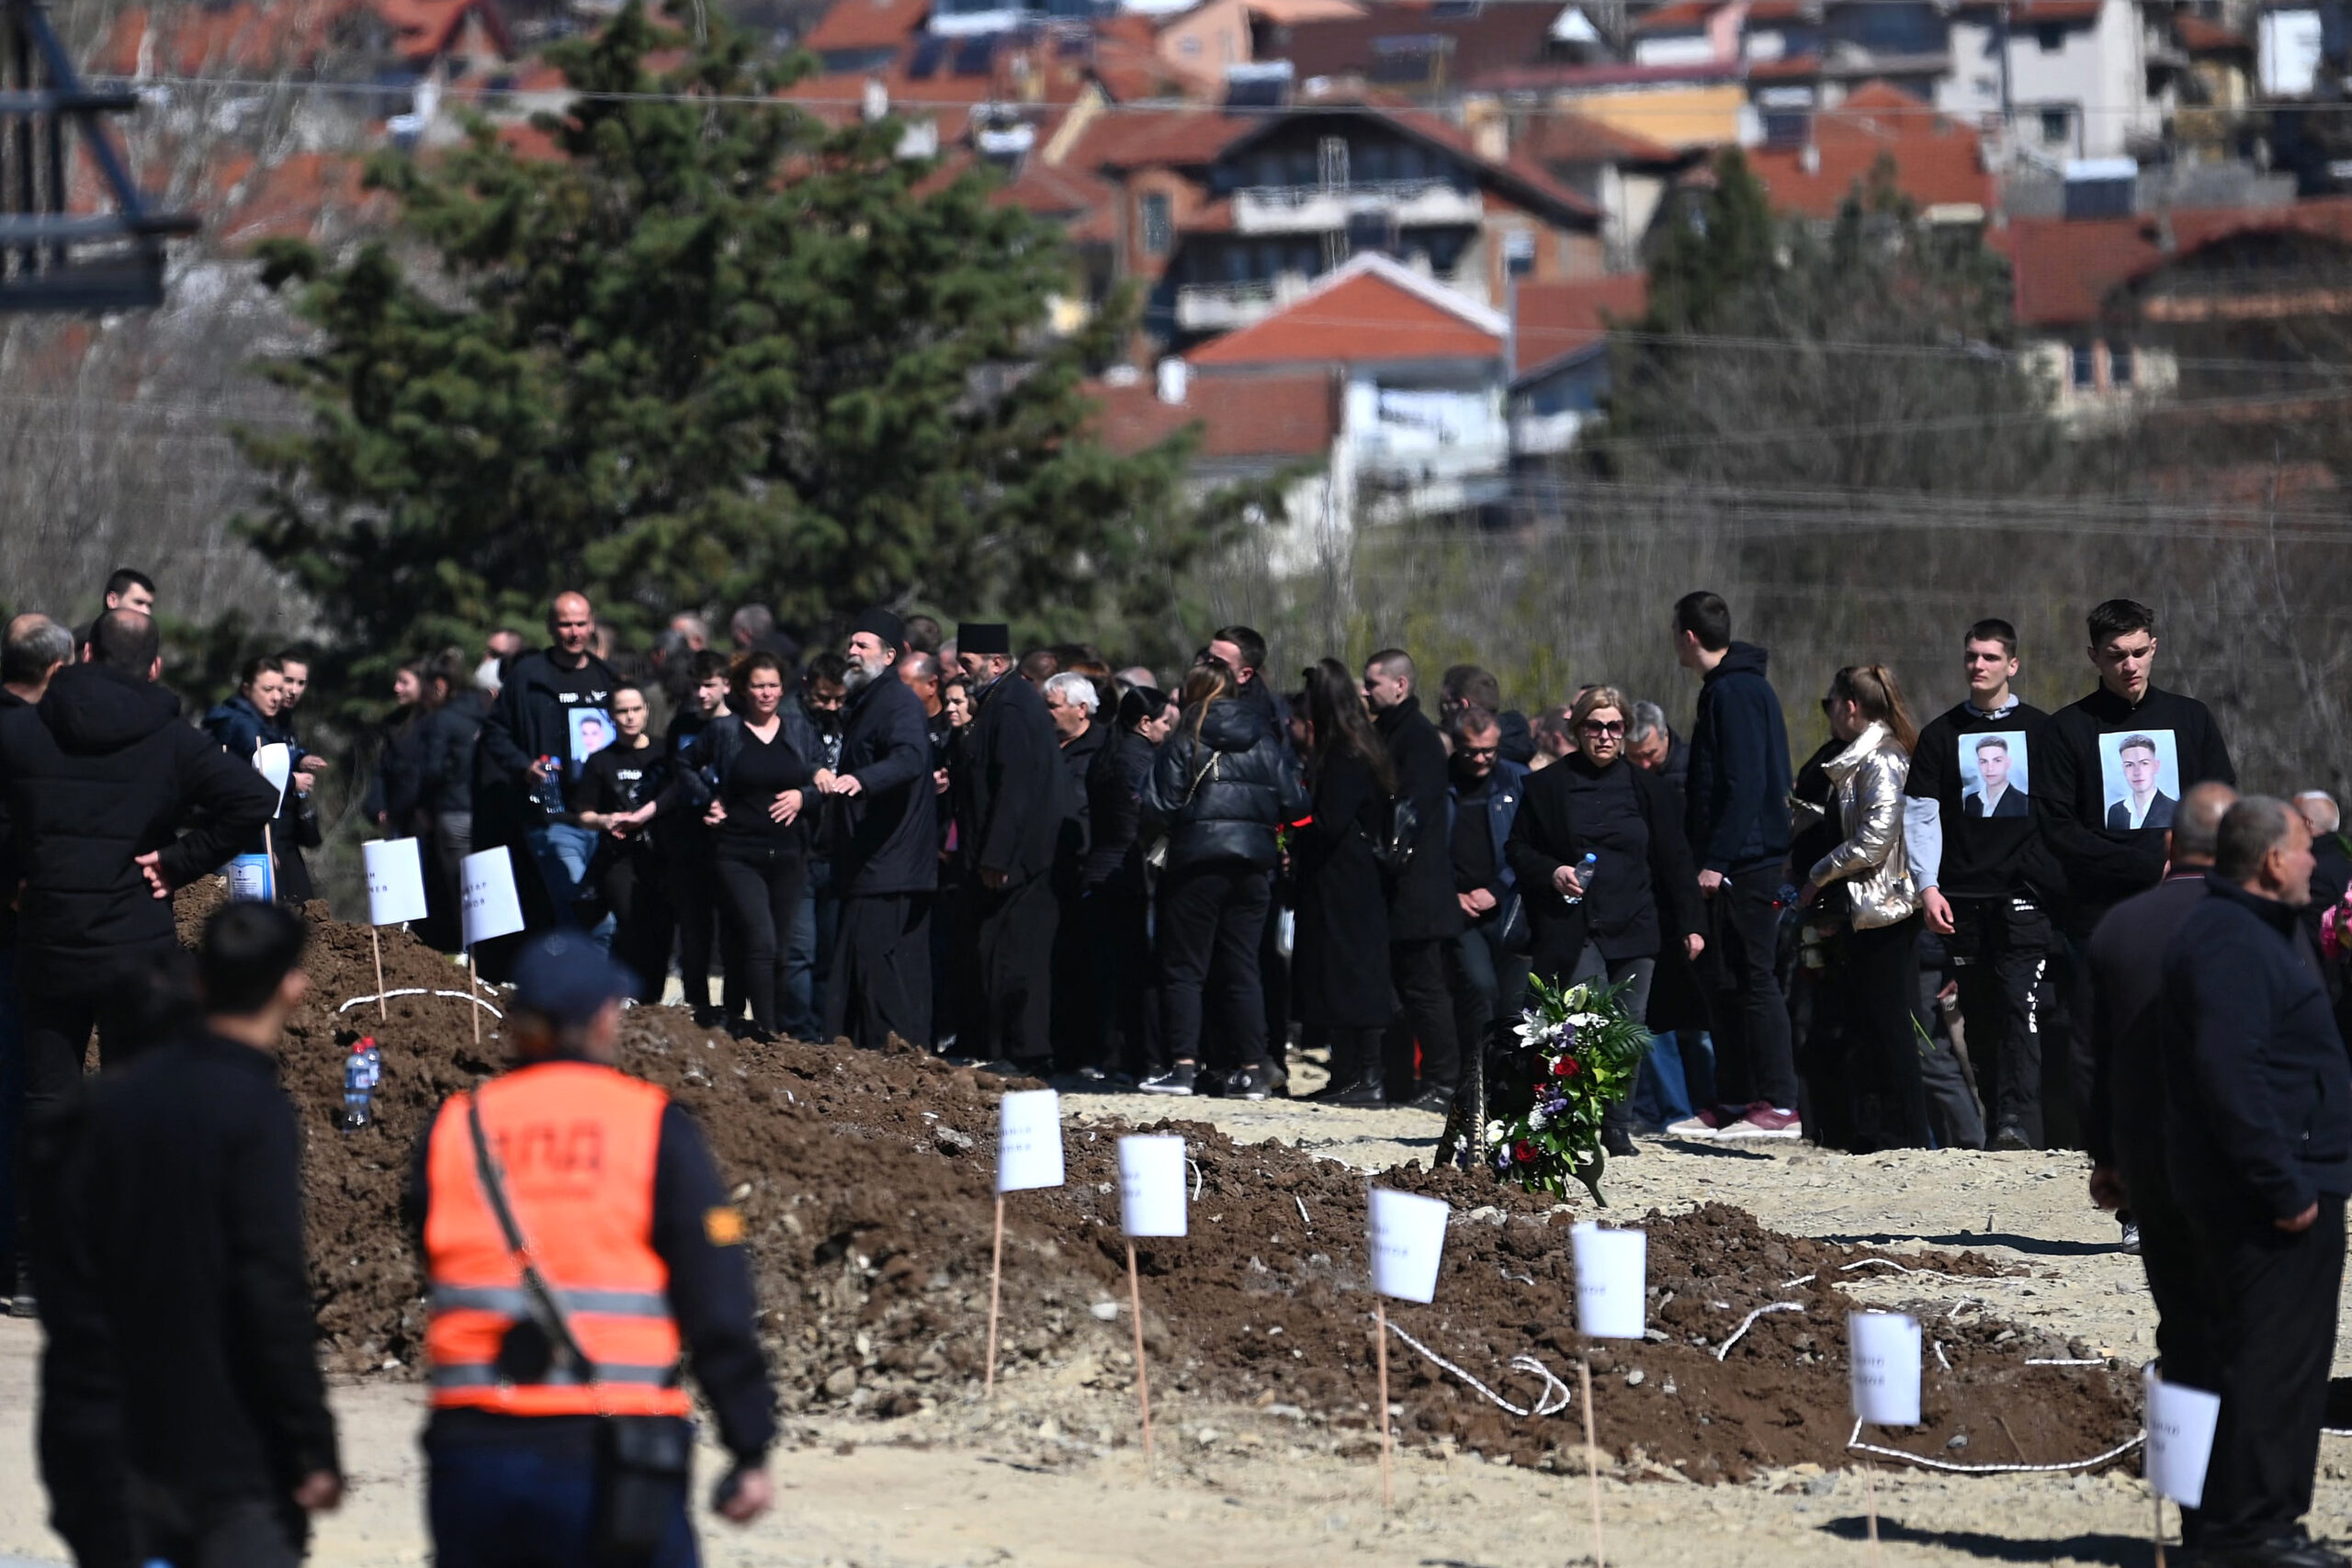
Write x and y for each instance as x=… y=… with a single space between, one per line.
x=100 y=772
x=1738 y=796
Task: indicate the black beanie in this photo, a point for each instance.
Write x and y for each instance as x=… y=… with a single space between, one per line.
x=884 y=624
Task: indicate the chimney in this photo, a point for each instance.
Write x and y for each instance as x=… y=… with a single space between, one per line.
x=876 y=103
x=1174 y=376
x=1810 y=158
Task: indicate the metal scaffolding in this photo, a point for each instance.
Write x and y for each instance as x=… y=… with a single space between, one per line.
x=67 y=244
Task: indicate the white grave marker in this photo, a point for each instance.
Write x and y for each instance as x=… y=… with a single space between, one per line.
x=2180 y=1438
x=1885 y=1349
x=1408 y=1233
x=492 y=907
x=1029 y=1141
x=395 y=881
x=275 y=763
x=1611 y=1279
x=1151 y=1186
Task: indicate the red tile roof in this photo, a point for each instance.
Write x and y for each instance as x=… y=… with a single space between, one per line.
x=2199 y=36
x=1360 y=315
x=1136 y=139
x=1574 y=138
x=866 y=24
x=1677 y=16
x=2042 y=13
x=300 y=197
x=427 y=28
x=1056 y=190
x=1531 y=78
x=1479 y=39
x=1792 y=68
x=1292 y=417
x=197 y=40
x=2065 y=271
x=1556 y=320
x=1782 y=10
x=1937 y=161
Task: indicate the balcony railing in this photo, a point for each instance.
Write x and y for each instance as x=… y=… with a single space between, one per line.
x=1222 y=307
x=1274 y=209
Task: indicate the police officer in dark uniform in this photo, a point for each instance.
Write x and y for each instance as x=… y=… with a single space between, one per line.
x=1009 y=809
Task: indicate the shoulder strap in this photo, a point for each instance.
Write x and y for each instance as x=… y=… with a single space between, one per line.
x=546 y=1309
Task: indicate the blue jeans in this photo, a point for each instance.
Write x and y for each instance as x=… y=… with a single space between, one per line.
x=562 y=850
x=812 y=933
x=1661 y=1097
x=515 y=1506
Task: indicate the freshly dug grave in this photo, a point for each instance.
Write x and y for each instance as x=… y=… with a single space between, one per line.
x=866 y=1180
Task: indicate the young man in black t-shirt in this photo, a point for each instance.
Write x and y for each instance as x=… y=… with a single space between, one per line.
x=1987 y=883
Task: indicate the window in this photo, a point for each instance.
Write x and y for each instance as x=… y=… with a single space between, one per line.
x=2051 y=39
x=2119 y=365
x=1158 y=225
x=2086 y=367
x=2057 y=125
x=1188 y=44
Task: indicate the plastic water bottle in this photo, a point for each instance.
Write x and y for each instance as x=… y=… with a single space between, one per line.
x=362 y=1071
x=1584 y=875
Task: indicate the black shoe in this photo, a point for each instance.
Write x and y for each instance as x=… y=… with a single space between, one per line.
x=709 y=1017
x=1434 y=1097
x=1178 y=1079
x=1363 y=1092
x=1619 y=1143
x=1249 y=1083
x=2296 y=1551
x=2011 y=1137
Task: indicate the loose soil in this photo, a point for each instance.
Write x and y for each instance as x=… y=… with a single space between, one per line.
x=865 y=1181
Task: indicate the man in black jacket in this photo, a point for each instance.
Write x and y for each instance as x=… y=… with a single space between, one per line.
x=527 y=759
x=97 y=779
x=1423 y=914
x=183 y=1415
x=887 y=864
x=2258 y=1148
x=1737 y=809
x=1009 y=810
x=1987 y=882
x=35 y=649
x=2123 y=1121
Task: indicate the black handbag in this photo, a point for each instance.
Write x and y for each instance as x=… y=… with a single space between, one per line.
x=644 y=1464
x=1392 y=851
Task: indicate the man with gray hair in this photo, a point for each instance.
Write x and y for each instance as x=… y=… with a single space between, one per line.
x=2330 y=856
x=1652 y=746
x=2257 y=1144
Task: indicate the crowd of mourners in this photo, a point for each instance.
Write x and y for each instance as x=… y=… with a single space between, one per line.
x=1181 y=883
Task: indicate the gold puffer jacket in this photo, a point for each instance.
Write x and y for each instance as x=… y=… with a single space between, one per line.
x=1869 y=774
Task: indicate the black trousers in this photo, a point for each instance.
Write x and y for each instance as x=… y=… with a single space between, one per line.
x=2168 y=1254
x=1127 y=976
x=1425 y=1014
x=1077 y=986
x=1755 y=1060
x=1014 y=931
x=1211 y=920
x=702 y=933
x=253 y=1533
x=880 y=981
x=1357 y=1053
x=2000 y=956
x=2269 y=1335
x=632 y=884
x=759 y=892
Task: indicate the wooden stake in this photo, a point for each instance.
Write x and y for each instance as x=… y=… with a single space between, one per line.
x=2158 y=1499
x=1591 y=1456
x=1380 y=1318
x=1142 y=1384
x=376 y=940
x=995 y=1278
x=1870 y=1494
x=473 y=984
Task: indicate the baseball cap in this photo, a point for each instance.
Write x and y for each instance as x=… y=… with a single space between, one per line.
x=565 y=977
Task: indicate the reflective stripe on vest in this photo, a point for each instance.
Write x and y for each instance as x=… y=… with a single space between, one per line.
x=576 y=1144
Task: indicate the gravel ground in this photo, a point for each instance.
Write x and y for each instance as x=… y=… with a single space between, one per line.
x=1050 y=1475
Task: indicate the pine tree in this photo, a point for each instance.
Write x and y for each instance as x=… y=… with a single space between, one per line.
x=716 y=350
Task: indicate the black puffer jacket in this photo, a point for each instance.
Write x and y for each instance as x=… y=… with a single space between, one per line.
x=1223 y=793
x=102 y=771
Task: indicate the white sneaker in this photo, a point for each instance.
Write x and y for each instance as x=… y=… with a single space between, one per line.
x=1764 y=1121
x=1693 y=1127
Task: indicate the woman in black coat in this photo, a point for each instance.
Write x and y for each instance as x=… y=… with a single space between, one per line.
x=1642 y=892
x=1340 y=975
x=1222 y=787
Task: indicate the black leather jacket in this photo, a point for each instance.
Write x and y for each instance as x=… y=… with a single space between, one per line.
x=1224 y=793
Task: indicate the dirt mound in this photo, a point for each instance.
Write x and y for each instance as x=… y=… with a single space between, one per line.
x=866 y=1180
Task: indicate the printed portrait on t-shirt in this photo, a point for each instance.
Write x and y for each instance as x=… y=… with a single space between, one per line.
x=592 y=731
x=1993 y=783
x=2140 y=772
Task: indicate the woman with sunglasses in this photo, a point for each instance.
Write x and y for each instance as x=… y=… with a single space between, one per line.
x=1608 y=923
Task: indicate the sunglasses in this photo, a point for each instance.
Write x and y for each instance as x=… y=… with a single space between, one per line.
x=1482 y=751
x=1603 y=726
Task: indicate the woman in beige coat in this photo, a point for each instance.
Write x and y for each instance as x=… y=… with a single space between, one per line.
x=1866 y=712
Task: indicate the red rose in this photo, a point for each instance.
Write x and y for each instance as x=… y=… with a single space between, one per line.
x=1522 y=1151
x=1565 y=1067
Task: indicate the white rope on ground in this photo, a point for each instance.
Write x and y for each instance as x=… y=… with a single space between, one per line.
x=1800 y=1279
x=1940 y=1362
x=1555 y=1393
x=1196 y=1179
x=421 y=991
x=1855 y=1445
x=1302 y=1213
x=1749 y=1322
x=1890 y=1263
x=2064 y=1361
